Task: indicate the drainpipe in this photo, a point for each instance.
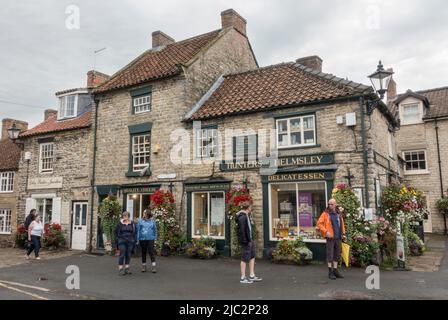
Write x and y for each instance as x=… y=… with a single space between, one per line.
x=364 y=151
x=436 y=126
x=92 y=184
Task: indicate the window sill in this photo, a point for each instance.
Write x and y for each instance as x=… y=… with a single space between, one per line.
x=213 y=237
x=6 y=233
x=411 y=173
x=299 y=147
x=3 y=192
x=136 y=174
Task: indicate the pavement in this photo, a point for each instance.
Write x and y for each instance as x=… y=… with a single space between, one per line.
x=182 y=278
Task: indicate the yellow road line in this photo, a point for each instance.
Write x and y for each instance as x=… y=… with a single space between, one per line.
x=24 y=292
x=25 y=286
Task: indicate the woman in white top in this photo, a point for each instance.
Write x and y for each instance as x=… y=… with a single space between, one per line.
x=35 y=232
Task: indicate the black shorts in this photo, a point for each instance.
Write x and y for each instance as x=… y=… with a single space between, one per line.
x=333 y=250
x=247 y=252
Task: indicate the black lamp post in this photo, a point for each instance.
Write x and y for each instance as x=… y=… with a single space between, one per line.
x=380 y=79
x=13 y=134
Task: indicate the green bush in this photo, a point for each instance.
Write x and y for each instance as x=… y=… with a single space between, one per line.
x=53 y=237
x=442 y=205
x=202 y=248
x=294 y=251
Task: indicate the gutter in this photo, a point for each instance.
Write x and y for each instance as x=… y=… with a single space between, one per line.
x=436 y=126
x=92 y=185
x=364 y=152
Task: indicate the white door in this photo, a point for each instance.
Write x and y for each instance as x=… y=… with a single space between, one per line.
x=79 y=230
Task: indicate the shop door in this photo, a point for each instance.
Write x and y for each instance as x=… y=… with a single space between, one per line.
x=79 y=230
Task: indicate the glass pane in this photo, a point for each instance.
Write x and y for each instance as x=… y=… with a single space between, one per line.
x=421 y=156
x=407 y=156
x=283 y=210
x=422 y=165
x=296 y=138
x=84 y=215
x=217 y=214
x=414 y=156
x=308 y=123
x=77 y=214
x=414 y=165
x=48 y=210
x=295 y=124
x=200 y=209
x=283 y=139
x=136 y=206
x=308 y=136
x=282 y=126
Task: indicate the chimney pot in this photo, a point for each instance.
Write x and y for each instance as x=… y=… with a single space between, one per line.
x=313 y=62
x=231 y=18
x=7 y=123
x=161 y=39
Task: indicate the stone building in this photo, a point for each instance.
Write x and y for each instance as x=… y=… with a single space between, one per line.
x=55 y=168
x=291 y=133
x=422 y=142
x=140 y=106
x=9 y=165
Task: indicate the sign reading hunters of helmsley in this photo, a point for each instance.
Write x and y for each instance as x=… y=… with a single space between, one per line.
x=281 y=162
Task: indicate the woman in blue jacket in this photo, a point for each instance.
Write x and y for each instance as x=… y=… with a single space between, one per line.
x=146 y=235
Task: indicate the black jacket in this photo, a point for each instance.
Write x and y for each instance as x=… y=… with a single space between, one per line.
x=243 y=230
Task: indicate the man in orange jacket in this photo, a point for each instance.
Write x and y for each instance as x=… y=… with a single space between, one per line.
x=331 y=225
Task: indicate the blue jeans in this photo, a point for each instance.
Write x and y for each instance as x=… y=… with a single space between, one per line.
x=125 y=247
x=34 y=245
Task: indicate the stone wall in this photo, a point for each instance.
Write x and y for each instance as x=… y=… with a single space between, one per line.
x=9 y=201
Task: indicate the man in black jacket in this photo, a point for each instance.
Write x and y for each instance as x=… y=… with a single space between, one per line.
x=245 y=239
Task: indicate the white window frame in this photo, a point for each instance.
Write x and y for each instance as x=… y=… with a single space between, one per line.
x=302 y=131
x=43 y=170
x=130 y=198
x=6 y=228
x=271 y=238
x=193 y=235
x=63 y=100
x=420 y=113
x=424 y=171
x=141 y=166
x=141 y=104
x=7 y=182
x=203 y=151
x=45 y=204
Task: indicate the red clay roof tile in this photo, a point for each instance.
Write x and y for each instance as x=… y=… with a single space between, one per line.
x=9 y=155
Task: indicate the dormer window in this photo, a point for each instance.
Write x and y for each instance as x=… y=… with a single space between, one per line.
x=411 y=113
x=68 y=106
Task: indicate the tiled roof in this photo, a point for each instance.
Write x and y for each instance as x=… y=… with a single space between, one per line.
x=438 y=100
x=9 y=155
x=278 y=85
x=155 y=64
x=53 y=125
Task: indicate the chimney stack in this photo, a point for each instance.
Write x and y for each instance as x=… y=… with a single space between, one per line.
x=313 y=62
x=161 y=39
x=95 y=78
x=49 y=113
x=231 y=18
x=391 y=88
x=7 y=123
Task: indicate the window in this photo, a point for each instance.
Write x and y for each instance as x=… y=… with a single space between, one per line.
x=6 y=182
x=5 y=221
x=137 y=203
x=296 y=132
x=295 y=209
x=44 y=208
x=207 y=143
x=411 y=113
x=141 y=149
x=208 y=216
x=245 y=147
x=46 y=157
x=67 y=106
x=142 y=103
x=415 y=161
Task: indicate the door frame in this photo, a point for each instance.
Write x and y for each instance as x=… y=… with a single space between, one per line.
x=72 y=209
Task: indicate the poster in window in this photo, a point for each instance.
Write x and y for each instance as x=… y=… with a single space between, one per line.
x=305 y=209
x=217 y=211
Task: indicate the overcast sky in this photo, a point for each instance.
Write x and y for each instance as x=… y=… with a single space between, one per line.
x=42 y=50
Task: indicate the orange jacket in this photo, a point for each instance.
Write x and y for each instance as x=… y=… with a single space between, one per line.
x=324 y=224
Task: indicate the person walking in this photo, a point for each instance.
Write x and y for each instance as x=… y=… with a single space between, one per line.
x=29 y=218
x=125 y=239
x=331 y=225
x=35 y=232
x=246 y=242
x=146 y=236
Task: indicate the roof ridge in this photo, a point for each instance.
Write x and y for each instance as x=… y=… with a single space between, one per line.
x=258 y=69
x=194 y=38
x=433 y=89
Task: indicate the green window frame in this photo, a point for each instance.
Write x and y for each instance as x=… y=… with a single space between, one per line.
x=139 y=146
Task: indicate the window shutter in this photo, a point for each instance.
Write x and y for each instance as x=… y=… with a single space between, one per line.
x=29 y=204
x=56 y=215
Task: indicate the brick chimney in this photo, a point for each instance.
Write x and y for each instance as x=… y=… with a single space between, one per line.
x=7 y=123
x=95 y=78
x=161 y=39
x=231 y=18
x=49 y=113
x=313 y=62
x=391 y=88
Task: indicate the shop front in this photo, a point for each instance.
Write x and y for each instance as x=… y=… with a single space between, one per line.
x=206 y=212
x=137 y=198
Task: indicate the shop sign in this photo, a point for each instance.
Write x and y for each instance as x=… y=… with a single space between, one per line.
x=282 y=162
x=146 y=189
x=207 y=187
x=382 y=161
x=305 y=176
x=45 y=183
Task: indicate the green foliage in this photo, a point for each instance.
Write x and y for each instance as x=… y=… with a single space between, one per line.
x=292 y=251
x=109 y=212
x=442 y=205
x=53 y=237
x=202 y=248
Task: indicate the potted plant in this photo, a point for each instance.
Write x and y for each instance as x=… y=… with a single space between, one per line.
x=442 y=205
x=202 y=248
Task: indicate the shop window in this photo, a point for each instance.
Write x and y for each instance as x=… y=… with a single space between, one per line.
x=5 y=221
x=296 y=132
x=136 y=204
x=44 y=208
x=295 y=209
x=208 y=214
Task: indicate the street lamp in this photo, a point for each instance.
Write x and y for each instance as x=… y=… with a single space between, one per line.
x=13 y=134
x=380 y=78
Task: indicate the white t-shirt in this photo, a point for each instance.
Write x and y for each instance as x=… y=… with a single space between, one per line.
x=37 y=229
